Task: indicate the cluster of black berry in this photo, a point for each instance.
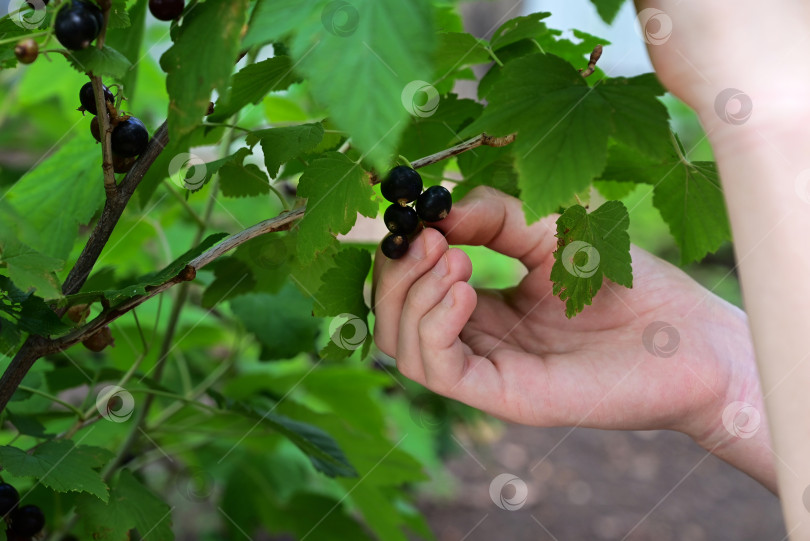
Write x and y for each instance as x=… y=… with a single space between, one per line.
x=129 y=135
x=403 y=185
x=22 y=523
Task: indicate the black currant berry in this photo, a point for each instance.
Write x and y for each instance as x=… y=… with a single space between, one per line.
x=166 y=10
x=88 y=99
x=9 y=498
x=26 y=51
x=28 y=520
x=95 y=130
x=78 y=24
x=401 y=220
x=394 y=246
x=434 y=204
x=129 y=138
x=402 y=185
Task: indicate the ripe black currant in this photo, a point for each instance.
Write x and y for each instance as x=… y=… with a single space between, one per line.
x=26 y=51
x=401 y=220
x=166 y=10
x=394 y=246
x=434 y=204
x=95 y=130
x=129 y=138
x=88 y=99
x=27 y=520
x=9 y=498
x=402 y=185
x=78 y=24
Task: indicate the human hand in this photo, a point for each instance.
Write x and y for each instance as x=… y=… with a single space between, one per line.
x=514 y=354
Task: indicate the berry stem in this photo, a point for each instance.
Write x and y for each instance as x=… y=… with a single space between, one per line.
x=18 y=38
x=106 y=137
x=494 y=56
x=54 y=399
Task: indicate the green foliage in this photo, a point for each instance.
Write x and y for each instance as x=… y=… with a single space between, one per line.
x=591 y=246
x=60 y=466
x=313 y=102
x=608 y=9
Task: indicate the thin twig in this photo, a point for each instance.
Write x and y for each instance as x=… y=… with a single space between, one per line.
x=595 y=56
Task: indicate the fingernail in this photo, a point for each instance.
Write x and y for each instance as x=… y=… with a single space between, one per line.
x=448 y=299
x=417 y=249
x=441 y=267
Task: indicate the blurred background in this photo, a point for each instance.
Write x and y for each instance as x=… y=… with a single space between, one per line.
x=582 y=483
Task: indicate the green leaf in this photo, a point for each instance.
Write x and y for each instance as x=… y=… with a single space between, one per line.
x=390 y=43
x=281 y=145
x=590 y=247
x=231 y=279
x=563 y=125
x=200 y=60
x=252 y=83
x=342 y=290
x=28 y=312
x=106 y=61
x=608 y=9
x=131 y=506
x=239 y=180
x=30 y=269
x=60 y=466
x=116 y=296
x=58 y=195
x=688 y=195
x=119 y=18
x=457 y=51
x=322 y=450
x=129 y=44
x=520 y=28
x=336 y=189
x=487 y=166
x=282 y=323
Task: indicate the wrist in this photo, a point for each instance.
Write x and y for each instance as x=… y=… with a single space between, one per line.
x=735 y=427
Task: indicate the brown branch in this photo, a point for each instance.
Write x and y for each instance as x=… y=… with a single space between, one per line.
x=103 y=113
x=595 y=56
x=477 y=141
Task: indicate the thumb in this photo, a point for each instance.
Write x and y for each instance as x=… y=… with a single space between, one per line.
x=488 y=217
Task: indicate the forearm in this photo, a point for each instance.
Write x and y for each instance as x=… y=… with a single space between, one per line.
x=761 y=164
